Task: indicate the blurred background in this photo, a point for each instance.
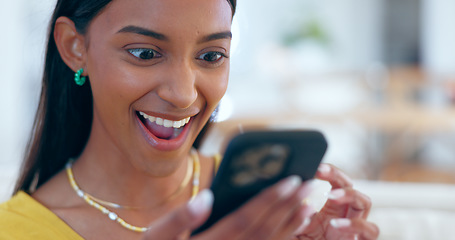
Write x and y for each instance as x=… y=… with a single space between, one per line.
x=377 y=77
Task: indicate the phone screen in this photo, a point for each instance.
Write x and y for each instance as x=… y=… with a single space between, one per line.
x=258 y=159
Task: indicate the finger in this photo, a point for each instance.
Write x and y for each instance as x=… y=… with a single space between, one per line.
x=241 y=223
x=185 y=218
x=333 y=175
x=284 y=218
x=359 y=204
x=297 y=223
x=343 y=228
x=309 y=213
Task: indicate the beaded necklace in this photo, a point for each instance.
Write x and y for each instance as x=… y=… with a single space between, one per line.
x=98 y=204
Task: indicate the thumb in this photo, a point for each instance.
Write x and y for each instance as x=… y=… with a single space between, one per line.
x=186 y=217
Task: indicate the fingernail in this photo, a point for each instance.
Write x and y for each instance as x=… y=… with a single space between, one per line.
x=336 y=194
x=290 y=185
x=324 y=168
x=306 y=222
x=302 y=227
x=201 y=203
x=340 y=222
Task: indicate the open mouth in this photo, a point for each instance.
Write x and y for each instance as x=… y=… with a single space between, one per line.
x=163 y=128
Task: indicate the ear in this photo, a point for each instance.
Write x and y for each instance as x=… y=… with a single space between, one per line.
x=70 y=44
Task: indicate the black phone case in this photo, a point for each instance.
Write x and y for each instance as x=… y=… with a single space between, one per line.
x=255 y=160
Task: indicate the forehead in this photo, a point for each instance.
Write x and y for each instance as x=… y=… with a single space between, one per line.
x=193 y=17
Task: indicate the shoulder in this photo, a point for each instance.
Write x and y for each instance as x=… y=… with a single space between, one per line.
x=22 y=217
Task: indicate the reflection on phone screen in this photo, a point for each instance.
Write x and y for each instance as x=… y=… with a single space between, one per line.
x=259 y=163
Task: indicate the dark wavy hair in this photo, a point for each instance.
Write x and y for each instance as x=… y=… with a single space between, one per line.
x=64 y=117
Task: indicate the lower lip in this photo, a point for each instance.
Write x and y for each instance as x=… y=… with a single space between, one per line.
x=164 y=144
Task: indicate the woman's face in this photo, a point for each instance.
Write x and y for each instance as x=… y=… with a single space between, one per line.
x=158 y=69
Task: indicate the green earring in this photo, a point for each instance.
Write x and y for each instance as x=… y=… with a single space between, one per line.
x=80 y=80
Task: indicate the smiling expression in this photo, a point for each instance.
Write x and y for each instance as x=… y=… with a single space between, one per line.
x=156 y=75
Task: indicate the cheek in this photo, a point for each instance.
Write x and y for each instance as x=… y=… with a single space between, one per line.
x=214 y=88
x=114 y=90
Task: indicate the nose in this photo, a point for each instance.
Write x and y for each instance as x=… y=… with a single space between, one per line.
x=179 y=85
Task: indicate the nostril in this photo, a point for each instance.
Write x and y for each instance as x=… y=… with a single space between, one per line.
x=179 y=96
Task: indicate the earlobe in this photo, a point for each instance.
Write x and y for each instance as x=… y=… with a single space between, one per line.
x=70 y=44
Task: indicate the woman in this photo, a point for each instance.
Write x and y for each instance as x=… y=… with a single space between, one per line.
x=128 y=88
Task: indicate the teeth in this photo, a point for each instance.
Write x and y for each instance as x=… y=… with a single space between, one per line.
x=168 y=123
x=165 y=122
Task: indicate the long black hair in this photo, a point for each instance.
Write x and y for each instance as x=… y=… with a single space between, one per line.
x=64 y=117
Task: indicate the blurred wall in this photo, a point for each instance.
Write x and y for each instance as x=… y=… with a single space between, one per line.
x=438 y=36
x=353 y=29
x=24 y=24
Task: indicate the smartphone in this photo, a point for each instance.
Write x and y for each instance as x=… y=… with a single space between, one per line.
x=255 y=160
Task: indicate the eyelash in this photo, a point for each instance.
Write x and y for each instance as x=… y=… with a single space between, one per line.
x=137 y=53
x=220 y=57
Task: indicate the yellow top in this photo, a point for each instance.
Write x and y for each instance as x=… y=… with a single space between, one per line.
x=24 y=218
x=217 y=159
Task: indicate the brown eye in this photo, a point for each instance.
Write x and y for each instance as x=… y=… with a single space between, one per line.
x=144 y=53
x=211 y=56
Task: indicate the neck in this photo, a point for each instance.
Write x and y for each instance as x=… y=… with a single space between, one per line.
x=109 y=175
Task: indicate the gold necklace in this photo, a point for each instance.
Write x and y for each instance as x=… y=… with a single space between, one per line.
x=98 y=204
x=182 y=186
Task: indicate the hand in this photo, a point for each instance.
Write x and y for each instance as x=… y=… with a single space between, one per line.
x=275 y=214
x=344 y=216
x=177 y=223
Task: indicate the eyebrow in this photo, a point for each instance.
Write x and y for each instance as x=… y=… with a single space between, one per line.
x=159 y=36
x=143 y=31
x=216 y=36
